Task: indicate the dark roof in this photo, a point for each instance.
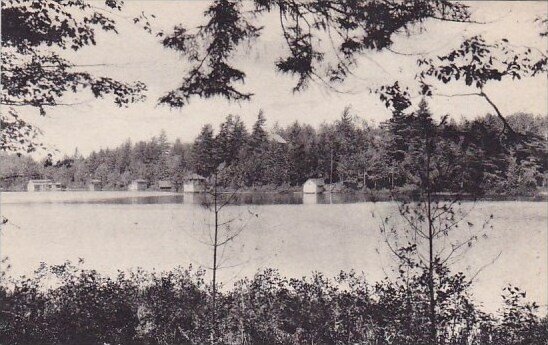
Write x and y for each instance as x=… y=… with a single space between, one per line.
x=194 y=177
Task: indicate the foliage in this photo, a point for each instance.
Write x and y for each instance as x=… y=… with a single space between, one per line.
x=468 y=157
x=211 y=75
x=35 y=76
x=479 y=63
x=65 y=304
x=352 y=28
x=476 y=63
x=18 y=135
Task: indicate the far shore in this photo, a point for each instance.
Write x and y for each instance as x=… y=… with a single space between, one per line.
x=367 y=195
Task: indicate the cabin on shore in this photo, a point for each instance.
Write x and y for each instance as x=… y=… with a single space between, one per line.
x=165 y=185
x=138 y=185
x=43 y=186
x=95 y=185
x=194 y=184
x=314 y=186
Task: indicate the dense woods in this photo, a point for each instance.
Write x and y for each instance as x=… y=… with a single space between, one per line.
x=469 y=156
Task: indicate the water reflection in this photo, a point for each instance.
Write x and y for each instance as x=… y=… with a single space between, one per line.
x=200 y=198
x=193 y=198
x=310 y=198
x=254 y=199
x=238 y=199
x=156 y=199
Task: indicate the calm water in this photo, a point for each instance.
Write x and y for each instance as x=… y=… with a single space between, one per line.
x=296 y=234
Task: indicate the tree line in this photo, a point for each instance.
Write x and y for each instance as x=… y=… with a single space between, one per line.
x=469 y=156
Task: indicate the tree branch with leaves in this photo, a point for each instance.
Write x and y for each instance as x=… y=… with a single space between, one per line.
x=354 y=29
x=35 y=76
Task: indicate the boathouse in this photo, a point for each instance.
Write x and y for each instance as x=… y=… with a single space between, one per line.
x=43 y=186
x=39 y=185
x=95 y=185
x=314 y=186
x=194 y=184
x=138 y=185
x=165 y=185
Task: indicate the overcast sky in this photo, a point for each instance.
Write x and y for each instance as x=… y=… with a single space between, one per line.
x=136 y=55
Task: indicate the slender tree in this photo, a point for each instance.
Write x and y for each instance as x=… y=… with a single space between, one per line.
x=224 y=231
x=427 y=238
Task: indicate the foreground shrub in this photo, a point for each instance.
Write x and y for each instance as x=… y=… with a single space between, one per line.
x=65 y=305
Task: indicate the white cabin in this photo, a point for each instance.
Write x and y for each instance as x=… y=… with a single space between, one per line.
x=314 y=186
x=194 y=184
x=43 y=186
x=138 y=185
x=165 y=185
x=94 y=185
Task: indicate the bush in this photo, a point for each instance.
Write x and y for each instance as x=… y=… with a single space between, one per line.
x=65 y=305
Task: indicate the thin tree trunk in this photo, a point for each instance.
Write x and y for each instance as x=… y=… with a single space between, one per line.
x=331 y=172
x=431 y=288
x=215 y=240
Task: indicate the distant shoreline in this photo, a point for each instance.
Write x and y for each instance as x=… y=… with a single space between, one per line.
x=368 y=196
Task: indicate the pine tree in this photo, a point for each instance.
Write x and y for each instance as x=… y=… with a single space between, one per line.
x=255 y=163
x=346 y=146
x=259 y=138
x=178 y=164
x=231 y=139
x=420 y=147
x=398 y=130
x=203 y=156
x=223 y=140
x=164 y=147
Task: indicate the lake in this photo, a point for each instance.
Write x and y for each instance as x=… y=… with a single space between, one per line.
x=296 y=234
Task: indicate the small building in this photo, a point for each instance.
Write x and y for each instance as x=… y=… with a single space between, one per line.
x=95 y=185
x=165 y=185
x=276 y=138
x=39 y=185
x=138 y=185
x=194 y=184
x=44 y=186
x=314 y=186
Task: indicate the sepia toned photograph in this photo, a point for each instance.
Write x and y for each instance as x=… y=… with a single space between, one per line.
x=285 y=172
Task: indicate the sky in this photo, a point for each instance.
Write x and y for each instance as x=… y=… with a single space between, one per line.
x=134 y=55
